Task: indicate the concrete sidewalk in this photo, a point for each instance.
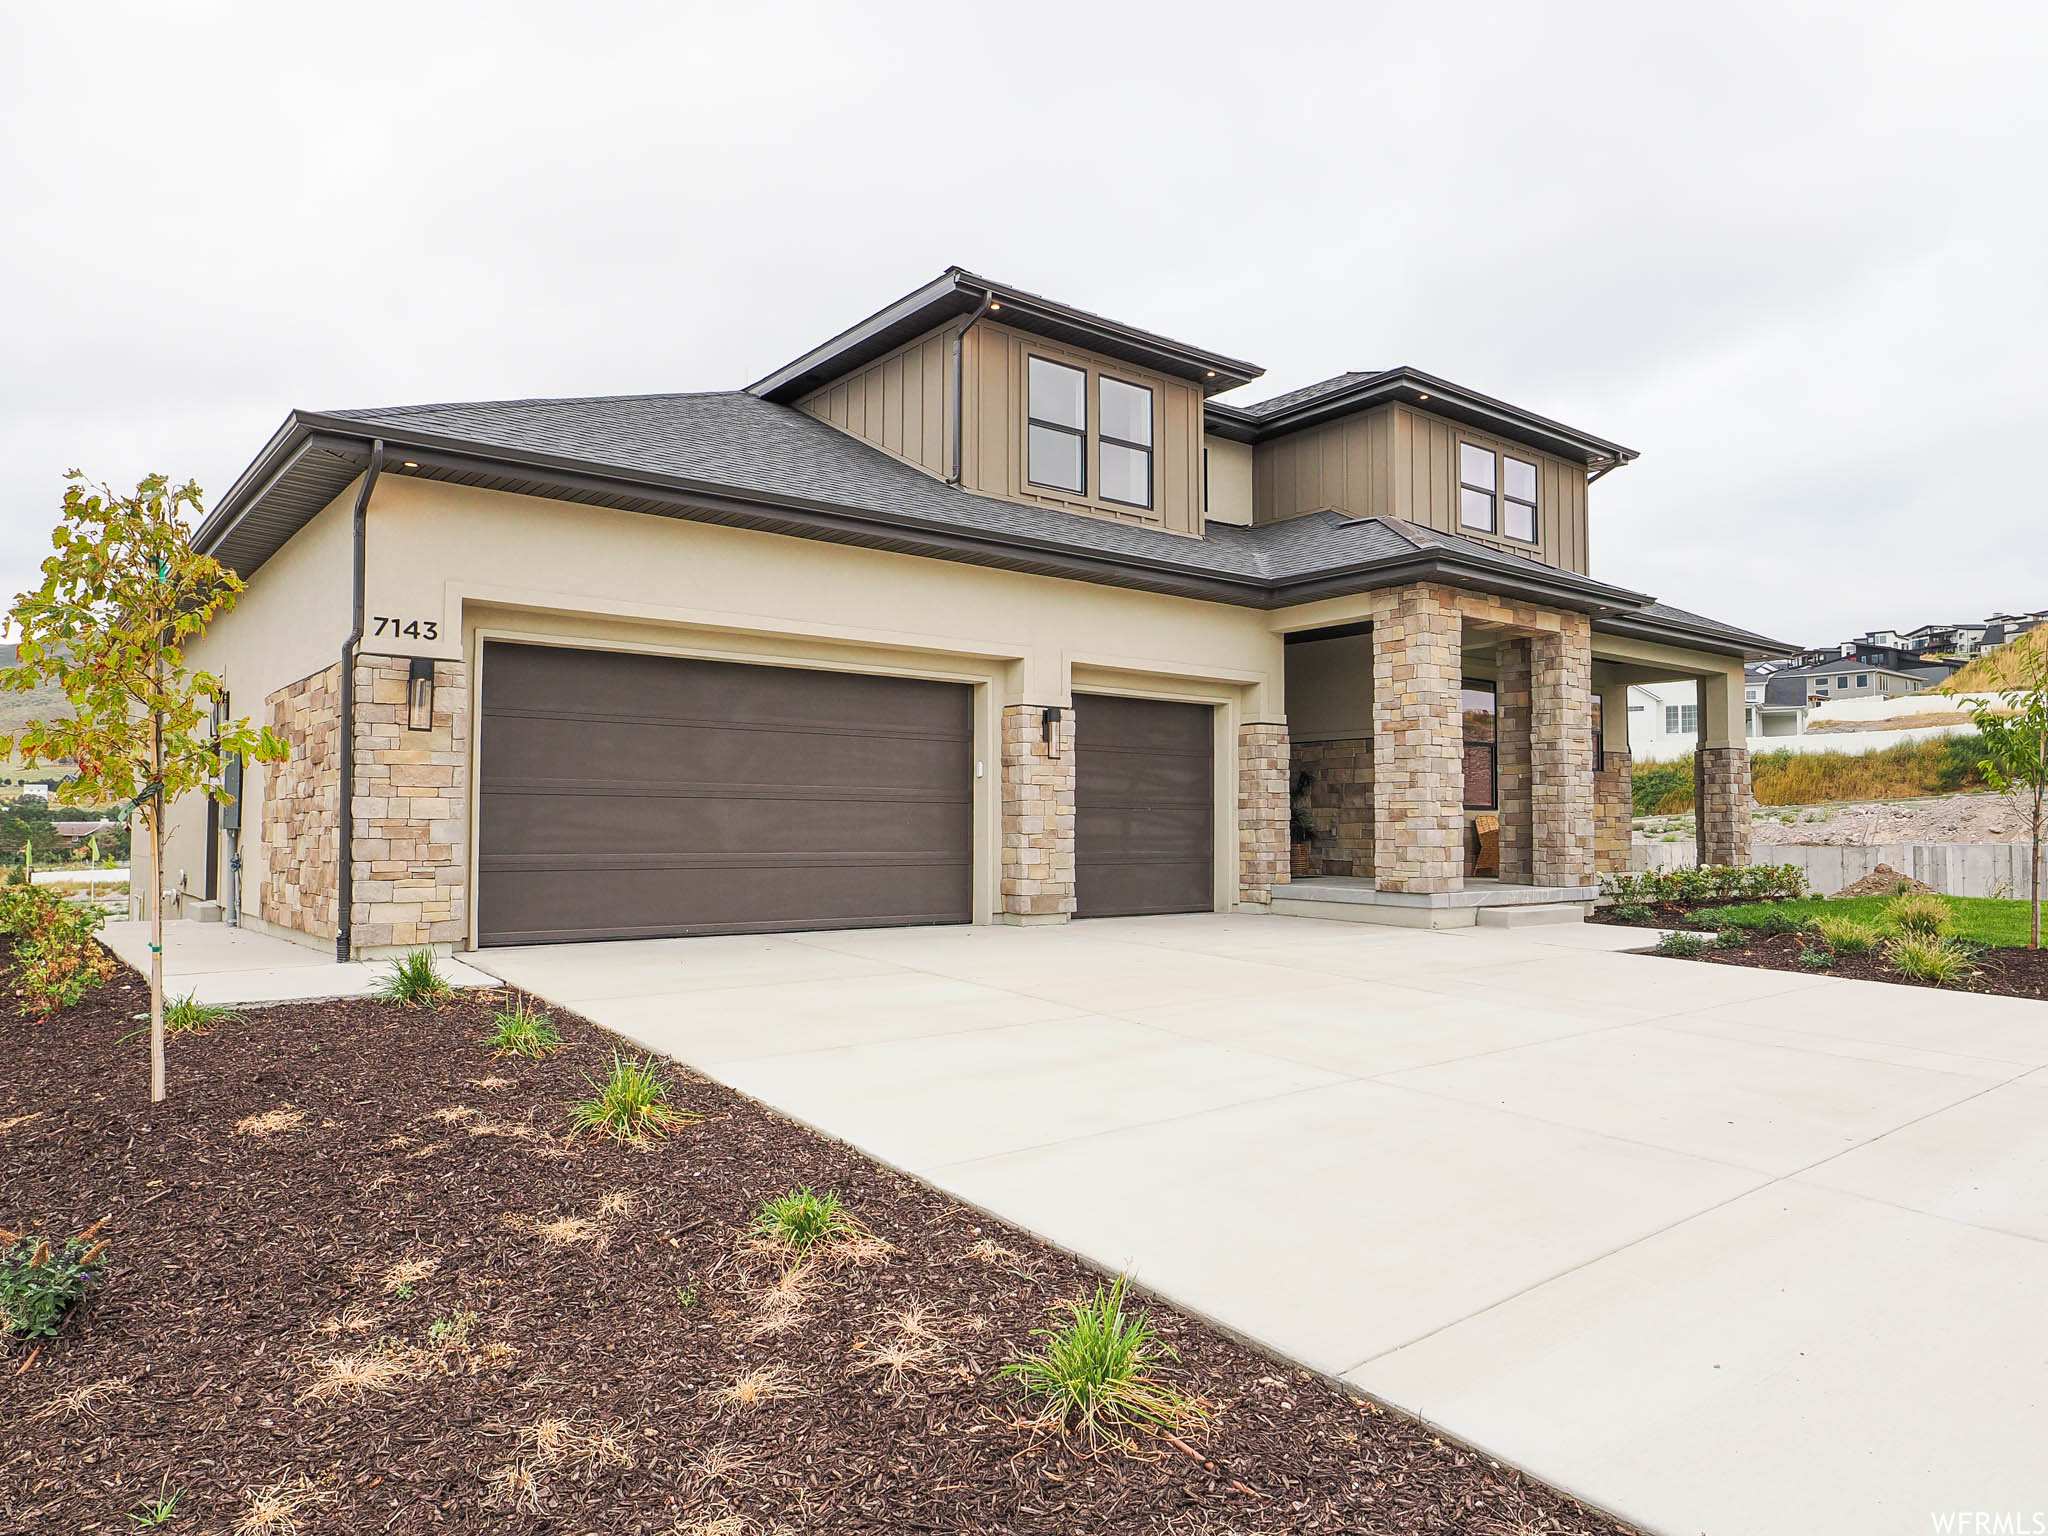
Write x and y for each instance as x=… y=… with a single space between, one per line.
x=238 y=967
x=1730 y=1251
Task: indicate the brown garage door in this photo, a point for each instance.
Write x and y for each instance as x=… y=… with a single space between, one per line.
x=1144 y=798
x=628 y=796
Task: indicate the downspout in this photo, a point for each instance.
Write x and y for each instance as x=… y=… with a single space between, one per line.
x=988 y=302
x=345 y=863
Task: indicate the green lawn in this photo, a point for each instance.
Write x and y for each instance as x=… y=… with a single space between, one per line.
x=1977 y=918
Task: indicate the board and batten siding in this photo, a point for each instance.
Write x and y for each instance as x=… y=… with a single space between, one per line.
x=897 y=403
x=1400 y=462
x=996 y=364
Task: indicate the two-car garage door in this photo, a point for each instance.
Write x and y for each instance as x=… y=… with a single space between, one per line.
x=632 y=796
x=629 y=796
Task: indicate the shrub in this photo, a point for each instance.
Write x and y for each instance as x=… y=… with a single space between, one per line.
x=1930 y=957
x=1730 y=938
x=1815 y=958
x=188 y=1016
x=800 y=1220
x=523 y=1031
x=1690 y=887
x=629 y=1103
x=416 y=982
x=40 y=1281
x=1681 y=946
x=1101 y=1370
x=57 y=959
x=1845 y=936
x=1632 y=912
x=1921 y=913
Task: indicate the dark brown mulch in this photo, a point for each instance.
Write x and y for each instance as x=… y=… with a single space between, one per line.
x=244 y=1261
x=2001 y=972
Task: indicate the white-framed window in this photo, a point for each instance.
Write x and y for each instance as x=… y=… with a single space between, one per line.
x=1862 y=679
x=1124 y=441
x=1681 y=717
x=1057 y=456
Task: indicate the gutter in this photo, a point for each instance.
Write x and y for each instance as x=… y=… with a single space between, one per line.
x=988 y=301
x=345 y=859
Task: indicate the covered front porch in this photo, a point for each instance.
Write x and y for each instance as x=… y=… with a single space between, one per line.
x=1451 y=762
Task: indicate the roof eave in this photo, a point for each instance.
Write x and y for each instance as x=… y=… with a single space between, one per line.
x=1721 y=642
x=1411 y=386
x=957 y=292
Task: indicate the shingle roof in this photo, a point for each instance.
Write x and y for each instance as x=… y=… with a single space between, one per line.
x=1275 y=404
x=735 y=457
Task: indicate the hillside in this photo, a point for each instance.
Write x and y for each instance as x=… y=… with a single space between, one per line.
x=17 y=709
x=1998 y=669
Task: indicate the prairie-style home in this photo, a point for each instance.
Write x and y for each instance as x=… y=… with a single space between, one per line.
x=987 y=609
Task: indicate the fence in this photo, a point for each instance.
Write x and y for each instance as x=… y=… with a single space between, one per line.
x=1954 y=869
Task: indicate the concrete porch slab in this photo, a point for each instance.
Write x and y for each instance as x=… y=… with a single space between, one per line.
x=1352 y=899
x=236 y=967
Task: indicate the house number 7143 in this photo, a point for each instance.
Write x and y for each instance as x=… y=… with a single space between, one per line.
x=410 y=629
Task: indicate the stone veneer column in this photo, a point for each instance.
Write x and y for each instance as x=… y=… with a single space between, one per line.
x=302 y=808
x=1263 y=810
x=1614 y=812
x=1721 y=798
x=1511 y=758
x=411 y=809
x=1561 y=754
x=1038 y=817
x=1418 y=743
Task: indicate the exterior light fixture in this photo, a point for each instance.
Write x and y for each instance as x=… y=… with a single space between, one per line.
x=1212 y=373
x=419 y=695
x=992 y=304
x=1049 y=730
x=410 y=464
x=1422 y=397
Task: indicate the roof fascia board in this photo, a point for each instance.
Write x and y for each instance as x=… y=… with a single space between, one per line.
x=794 y=379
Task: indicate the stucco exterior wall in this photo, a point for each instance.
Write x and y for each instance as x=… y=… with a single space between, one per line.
x=287 y=627
x=450 y=567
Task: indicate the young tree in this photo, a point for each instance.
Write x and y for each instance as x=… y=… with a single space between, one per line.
x=120 y=597
x=2015 y=732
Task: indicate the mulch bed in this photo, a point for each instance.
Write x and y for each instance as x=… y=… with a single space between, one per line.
x=247 y=1262
x=2001 y=972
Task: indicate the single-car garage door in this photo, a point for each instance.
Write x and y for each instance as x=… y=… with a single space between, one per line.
x=628 y=796
x=1144 y=807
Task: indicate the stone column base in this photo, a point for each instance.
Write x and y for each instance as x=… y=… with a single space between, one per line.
x=1038 y=817
x=1262 y=811
x=1721 y=800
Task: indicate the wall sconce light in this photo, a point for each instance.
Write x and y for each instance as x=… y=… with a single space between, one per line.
x=419 y=695
x=1049 y=730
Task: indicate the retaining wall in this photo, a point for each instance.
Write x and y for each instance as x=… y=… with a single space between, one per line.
x=1954 y=869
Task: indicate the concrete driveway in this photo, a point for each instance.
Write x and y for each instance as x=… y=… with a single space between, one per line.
x=1725 y=1251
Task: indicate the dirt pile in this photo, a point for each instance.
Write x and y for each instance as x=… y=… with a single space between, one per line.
x=1883 y=881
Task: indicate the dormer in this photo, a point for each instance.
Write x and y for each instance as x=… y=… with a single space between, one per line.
x=1401 y=443
x=1012 y=396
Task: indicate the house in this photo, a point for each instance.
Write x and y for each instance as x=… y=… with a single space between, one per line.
x=1663 y=718
x=1848 y=678
x=987 y=609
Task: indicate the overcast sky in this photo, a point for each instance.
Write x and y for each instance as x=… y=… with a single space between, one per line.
x=1794 y=254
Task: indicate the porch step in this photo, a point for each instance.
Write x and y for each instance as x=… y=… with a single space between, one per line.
x=1537 y=916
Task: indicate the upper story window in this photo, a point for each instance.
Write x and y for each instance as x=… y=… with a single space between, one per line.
x=1496 y=493
x=1058 y=457
x=1125 y=442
